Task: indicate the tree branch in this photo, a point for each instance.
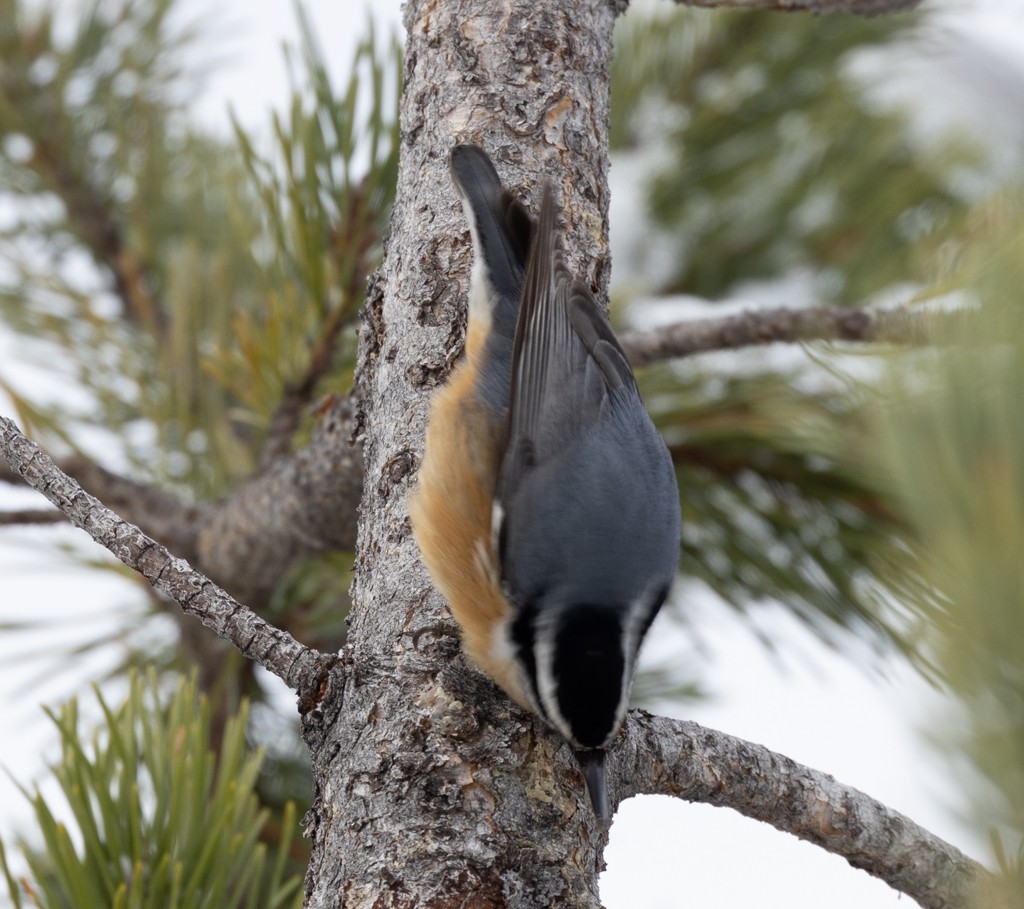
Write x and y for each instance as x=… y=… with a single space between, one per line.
x=672 y=757
x=302 y=668
x=768 y=326
x=860 y=7
x=303 y=505
x=30 y=516
x=158 y=513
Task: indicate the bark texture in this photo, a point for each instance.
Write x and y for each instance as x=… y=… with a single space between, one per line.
x=767 y=326
x=861 y=7
x=300 y=667
x=431 y=788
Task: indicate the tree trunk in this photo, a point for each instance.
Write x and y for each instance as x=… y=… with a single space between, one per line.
x=432 y=788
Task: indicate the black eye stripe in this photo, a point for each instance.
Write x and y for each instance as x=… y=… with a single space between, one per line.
x=523 y=632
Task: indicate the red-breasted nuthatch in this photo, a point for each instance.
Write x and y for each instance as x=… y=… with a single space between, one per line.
x=547 y=510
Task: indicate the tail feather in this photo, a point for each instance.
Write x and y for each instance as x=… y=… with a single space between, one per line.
x=501 y=229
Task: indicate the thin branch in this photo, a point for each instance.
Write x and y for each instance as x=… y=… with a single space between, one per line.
x=860 y=7
x=160 y=514
x=302 y=668
x=303 y=505
x=768 y=326
x=91 y=213
x=30 y=516
x=672 y=757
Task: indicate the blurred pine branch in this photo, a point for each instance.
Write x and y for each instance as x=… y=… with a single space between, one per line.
x=953 y=432
x=767 y=158
x=194 y=294
x=763 y=162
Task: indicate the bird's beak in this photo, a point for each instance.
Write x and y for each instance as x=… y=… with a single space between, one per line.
x=591 y=762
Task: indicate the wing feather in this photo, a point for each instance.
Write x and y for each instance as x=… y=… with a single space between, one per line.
x=566 y=360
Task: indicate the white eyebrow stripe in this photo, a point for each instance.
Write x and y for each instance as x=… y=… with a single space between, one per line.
x=544 y=658
x=631 y=641
x=497 y=519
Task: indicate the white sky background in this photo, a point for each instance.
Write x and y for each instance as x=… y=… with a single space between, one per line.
x=808 y=702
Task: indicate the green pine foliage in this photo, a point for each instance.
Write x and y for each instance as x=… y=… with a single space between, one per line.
x=188 y=283
x=769 y=158
x=765 y=159
x=154 y=816
x=953 y=428
x=325 y=196
x=778 y=504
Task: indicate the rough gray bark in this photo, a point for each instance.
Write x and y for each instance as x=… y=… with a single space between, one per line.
x=300 y=667
x=860 y=7
x=766 y=326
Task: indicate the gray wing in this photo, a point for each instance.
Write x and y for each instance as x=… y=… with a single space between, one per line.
x=566 y=361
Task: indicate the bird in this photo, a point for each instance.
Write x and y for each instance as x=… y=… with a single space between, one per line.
x=546 y=510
